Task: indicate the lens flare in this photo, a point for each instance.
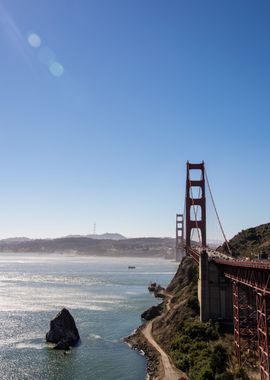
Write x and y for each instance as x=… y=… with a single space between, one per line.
x=56 y=69
x=34 y=40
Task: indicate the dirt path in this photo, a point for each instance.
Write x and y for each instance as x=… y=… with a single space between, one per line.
x=170 y=371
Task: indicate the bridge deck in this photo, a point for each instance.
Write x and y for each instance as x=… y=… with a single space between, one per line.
x=243 y=264
x=254 y=274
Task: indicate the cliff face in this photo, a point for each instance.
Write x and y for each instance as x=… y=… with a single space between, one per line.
x=183 y=287
x=250 y=242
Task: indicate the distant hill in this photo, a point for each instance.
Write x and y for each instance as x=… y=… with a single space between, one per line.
x=250 y=242
x=144 y=247
x=15 y=240
x=106 y=236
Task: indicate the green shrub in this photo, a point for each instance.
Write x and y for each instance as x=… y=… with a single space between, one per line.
x=211 y=332
x=198 y=358
x=224 y=376
x=219 y=359
x=241 y=374
x=193 y=304
x=204 y=373
x=183 y=363
x=198 y=346
x=192 y=353
x=192 y=274
x=196 y=331
x=175 y=343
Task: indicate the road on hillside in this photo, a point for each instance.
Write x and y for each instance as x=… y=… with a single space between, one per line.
x=170 y=371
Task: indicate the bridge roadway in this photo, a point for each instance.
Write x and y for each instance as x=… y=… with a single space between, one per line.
x=251 y=310
x=252 y=273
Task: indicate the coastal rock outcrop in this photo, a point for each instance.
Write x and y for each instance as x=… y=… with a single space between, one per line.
x=63 y=331
x=159 y=292
x=152 y=312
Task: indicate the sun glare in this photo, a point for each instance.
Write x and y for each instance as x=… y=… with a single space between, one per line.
x=56 y=69
x=34 y=40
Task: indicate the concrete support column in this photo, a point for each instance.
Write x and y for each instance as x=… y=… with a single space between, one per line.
x=203 y=287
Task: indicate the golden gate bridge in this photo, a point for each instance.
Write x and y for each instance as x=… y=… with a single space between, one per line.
x=230 y=289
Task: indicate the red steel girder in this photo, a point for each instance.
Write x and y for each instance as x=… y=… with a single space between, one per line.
x=258 y=279
x=263 y=334
x=236 y=324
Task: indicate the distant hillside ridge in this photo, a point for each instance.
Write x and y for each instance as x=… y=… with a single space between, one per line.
x=140 y=247
x=15 y=239
x=106 y=236
x=250 y=242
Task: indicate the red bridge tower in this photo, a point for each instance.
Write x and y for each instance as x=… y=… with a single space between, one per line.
x=197 y=218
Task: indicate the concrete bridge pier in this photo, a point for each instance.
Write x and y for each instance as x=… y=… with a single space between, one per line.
x=214 y=291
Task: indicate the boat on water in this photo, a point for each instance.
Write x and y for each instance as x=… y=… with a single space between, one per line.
x=131 y=267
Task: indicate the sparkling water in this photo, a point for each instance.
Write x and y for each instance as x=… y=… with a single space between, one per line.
x=105 y=298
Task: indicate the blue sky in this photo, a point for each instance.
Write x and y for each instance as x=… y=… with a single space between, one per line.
x=140 y=87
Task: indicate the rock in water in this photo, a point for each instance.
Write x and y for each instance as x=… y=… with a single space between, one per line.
x=152 y=312
x=63 y=331
x=62 y=345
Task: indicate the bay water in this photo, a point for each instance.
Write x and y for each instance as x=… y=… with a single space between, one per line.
x=104 y=297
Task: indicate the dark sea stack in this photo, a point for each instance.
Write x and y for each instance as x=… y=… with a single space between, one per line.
x=62 y=345
x=152 y=312
x=63 y=331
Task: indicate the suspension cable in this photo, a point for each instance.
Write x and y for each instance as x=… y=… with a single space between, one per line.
x=184 y=219
x=218 y=218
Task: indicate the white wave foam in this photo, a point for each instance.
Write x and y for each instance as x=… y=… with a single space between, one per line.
x=95 y=336
x=30 y=345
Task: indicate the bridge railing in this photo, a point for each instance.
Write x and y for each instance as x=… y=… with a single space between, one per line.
x=194 y=254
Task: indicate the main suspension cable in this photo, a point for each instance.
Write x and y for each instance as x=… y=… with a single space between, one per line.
x=218 y=218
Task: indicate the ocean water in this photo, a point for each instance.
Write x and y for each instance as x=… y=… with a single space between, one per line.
x=105 y=298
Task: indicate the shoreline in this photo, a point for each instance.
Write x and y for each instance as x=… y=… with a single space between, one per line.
x=137 y=342
x=159 y=363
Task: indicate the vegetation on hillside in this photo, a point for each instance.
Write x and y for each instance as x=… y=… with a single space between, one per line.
x=250 y=242
x=200 y=350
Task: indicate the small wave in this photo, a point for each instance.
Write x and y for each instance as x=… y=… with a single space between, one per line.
x=34 y=346
x=133 y=293
x=98 y=337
